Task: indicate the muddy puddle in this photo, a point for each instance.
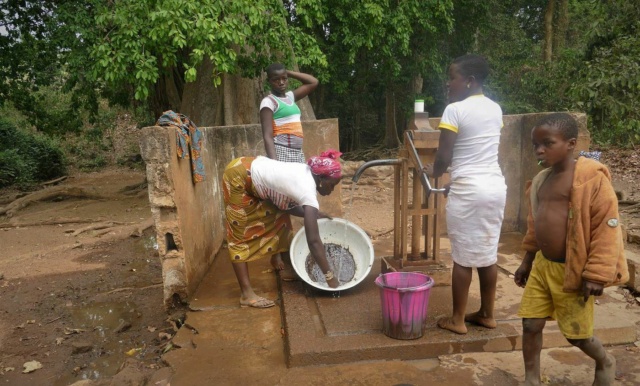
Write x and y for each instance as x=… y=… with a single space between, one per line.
x=98 y=322
x=137 y=269
x=109 y=330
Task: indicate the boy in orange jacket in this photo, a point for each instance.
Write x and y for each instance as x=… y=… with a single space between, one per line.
x=574 y=247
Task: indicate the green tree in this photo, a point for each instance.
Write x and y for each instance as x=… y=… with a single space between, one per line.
x=378 y=50
x=176 y=51
x=33 y=54
x=199 y=58
x=608 y=83
x=27 y=157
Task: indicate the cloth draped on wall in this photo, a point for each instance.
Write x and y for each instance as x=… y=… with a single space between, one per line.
x=590 y=154
x=188 y=140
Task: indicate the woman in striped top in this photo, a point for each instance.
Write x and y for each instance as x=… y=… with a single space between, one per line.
x=280 y=116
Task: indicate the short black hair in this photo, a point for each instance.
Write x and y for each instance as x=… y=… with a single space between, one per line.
x=274 y=67
x=563 y=122
x=473 y=65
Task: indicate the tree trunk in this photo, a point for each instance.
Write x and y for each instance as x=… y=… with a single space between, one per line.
x=561 y=26
x=357 y=122
x=391 y=140
x=234 y=102
x=318 y=99
x=166 y=95
x=201 y=101
x=547 y=51
x=416 y=84
x=241 y=100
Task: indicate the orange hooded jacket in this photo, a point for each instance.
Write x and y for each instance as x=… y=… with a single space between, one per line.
x=595 y=249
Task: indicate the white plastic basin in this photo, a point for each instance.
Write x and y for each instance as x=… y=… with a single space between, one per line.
x=338 y=231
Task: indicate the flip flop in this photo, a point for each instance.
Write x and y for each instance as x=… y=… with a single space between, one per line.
x=260 y=302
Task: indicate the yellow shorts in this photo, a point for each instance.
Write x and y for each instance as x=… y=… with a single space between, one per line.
x=543 y=298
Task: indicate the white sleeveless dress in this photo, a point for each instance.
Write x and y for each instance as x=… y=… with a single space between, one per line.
x=476 y=201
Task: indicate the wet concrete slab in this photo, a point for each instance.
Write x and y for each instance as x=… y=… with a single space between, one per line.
x=223 y=344
x=329 y=328
x=213 y=345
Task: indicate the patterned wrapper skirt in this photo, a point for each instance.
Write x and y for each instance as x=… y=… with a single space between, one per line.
x=255 y=228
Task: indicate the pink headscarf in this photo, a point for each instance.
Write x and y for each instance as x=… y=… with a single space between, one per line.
x=326 y=164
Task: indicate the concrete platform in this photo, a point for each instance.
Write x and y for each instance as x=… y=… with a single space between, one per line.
x=223 y=344
x=330 y=328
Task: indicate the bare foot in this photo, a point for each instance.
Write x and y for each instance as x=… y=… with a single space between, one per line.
x=448 y=324
x=607 y=374
x=288 y=274
x=476 y=318
x=276 y=262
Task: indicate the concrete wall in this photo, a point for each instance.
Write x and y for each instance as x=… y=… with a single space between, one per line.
x=519 y=164
x=189 y=218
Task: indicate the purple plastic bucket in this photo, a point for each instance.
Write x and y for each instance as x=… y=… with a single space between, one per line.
x=404 y=298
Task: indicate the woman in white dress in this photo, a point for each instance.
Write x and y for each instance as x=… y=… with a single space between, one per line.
x=469 y=139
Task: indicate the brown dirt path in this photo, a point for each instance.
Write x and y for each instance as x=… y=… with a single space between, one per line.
x=76 y=299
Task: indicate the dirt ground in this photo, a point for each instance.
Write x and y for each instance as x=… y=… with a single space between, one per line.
x=80 y=279
x=80 y=283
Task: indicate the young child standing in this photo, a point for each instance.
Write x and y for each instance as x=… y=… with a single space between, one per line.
x=280 y=116
x=469 y=139
x=573 y=245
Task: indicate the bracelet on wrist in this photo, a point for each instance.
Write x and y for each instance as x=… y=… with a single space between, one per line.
x=329 y=275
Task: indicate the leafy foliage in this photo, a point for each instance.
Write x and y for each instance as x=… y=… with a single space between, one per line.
x=57 y=59
x=27 y=157
x=609 y=86
x=45 y=45
x=376 y=48
x=51 y=111
x=597 y=71
x=23 y=45
x=235 y=36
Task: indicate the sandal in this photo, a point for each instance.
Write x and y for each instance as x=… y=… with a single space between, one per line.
x=260 y=302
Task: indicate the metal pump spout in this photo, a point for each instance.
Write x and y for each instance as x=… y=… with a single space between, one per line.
x=377 y=162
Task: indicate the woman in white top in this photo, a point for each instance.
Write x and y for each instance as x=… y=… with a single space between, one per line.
x=259 y=195
x=469 y=139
